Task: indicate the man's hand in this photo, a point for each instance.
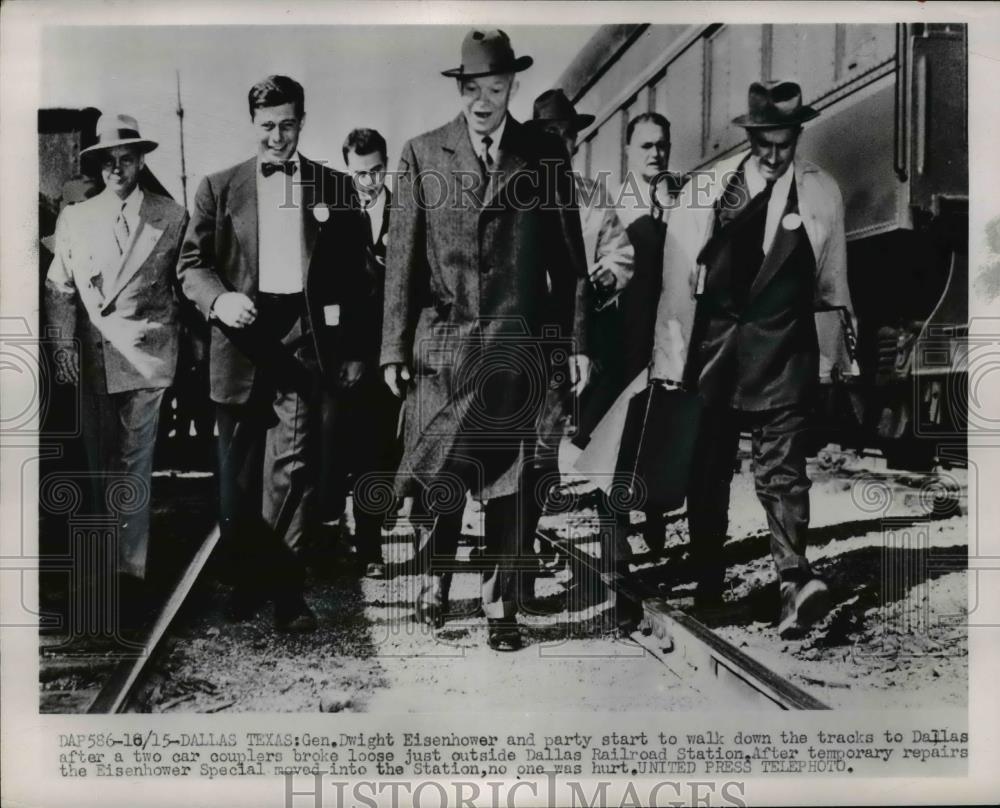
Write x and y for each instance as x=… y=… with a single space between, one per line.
x=234 y=309
x=350 y=373
x=397 y=377
x=604 y=280
x=579 y=372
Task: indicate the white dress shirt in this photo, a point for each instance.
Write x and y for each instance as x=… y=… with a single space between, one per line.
x=495 y=136
x=279 y=231
x=129 y=206
x=779 y=196
x=375 y=210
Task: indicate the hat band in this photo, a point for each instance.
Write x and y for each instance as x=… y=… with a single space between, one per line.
x=121 y=134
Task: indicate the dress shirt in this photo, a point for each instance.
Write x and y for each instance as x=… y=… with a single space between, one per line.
x=496 y=136
x=376 y=211
x=279 y=231
x=779 y=196
x=132 y=203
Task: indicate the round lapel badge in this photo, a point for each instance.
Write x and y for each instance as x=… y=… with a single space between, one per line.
x=321 y=212
x=792 y=221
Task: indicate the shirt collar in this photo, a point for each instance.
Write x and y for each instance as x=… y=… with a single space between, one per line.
x=756 y=183
x=130 y=204
x=496 y=136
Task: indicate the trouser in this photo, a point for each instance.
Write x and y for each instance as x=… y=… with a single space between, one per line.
x=779 y=439
x=504 y=530
x=268 y=479
x=360 y=441
x=119 y=434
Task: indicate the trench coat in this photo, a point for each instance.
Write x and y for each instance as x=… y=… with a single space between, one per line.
x=484 y=298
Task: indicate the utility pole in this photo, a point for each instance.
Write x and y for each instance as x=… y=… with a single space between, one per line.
x=180 y=123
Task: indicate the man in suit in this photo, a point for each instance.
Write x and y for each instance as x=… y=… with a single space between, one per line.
x=272 y=259
x=755 y=249
x=484 y=266
x=110 y=290
x=367 y=432
x=623 y=327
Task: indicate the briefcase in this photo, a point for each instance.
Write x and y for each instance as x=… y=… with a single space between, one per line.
x=657 y=445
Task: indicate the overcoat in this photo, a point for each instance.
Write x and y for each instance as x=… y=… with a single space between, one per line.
x=121 y=307
x=220 y=254
x=484 y=287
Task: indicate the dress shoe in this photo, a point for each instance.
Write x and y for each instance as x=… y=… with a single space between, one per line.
x=504 y=635
x=375 y=569
x=432 y=602
x=243 y=604
x=293 y=616
x=802 y=604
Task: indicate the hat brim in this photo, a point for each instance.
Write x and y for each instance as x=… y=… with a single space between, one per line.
x=801 y=116
x=519 y=64
x=144 y=145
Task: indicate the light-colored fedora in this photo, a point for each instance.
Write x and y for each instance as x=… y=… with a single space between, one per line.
x=118 y=130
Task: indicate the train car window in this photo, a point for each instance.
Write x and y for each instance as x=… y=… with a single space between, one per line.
x=679 y=97
x=732 y=53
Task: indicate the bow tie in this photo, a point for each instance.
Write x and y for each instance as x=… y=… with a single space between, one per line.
x=288 y=167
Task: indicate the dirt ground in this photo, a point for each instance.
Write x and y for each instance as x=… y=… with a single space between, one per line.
x=892 y=546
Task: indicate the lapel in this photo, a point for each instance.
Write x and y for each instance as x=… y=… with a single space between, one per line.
x=463 y=159
x=311 y=182
x=242 y=206
x=510 y=158
x=384 y=229
x=782 y=246
x=143 y=240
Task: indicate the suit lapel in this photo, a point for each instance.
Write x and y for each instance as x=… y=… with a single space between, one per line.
x=463 y=159
x=311 y=180
x=782 y=246
x=143 y=240
x=243 y=212
x=510 y=158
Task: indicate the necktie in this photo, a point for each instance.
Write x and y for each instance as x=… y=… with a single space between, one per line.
x=122 y=232
x=369 y=239
x=287 y=167
x=487 y=157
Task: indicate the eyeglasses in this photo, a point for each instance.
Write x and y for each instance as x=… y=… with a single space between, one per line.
x=124 y=161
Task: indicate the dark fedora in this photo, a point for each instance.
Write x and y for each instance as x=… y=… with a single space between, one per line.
x=553 y=105
x=775 y=104
x=118 y=130
x=487 y=53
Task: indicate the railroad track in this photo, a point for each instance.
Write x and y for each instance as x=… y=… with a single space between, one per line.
x=672 y=637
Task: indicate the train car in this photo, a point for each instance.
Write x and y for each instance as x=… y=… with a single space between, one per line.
x=893 y=132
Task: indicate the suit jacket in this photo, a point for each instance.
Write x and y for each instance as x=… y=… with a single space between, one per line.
x=822 y=211
x=375 y=257
x=219 y=255
x=478 y=268
x=122 y=307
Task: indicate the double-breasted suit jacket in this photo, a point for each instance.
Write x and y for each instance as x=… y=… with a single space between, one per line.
x=220 y=254
x=121 y=306
x=482 y=272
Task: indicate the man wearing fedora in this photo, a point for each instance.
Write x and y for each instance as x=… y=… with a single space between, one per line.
x=110 y=291
x=484 y=266
x=754 y=271
x=273 y=260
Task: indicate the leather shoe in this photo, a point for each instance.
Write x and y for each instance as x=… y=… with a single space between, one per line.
x=292 y=615
x=504 y=635
x=801 y=606
x=432 y=602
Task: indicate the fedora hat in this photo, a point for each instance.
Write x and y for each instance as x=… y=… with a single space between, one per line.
x=553 y=105
x=487 y=53
x=775 y=104
x=118 y=130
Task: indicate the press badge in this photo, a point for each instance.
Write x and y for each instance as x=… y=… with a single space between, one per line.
x=331 y=314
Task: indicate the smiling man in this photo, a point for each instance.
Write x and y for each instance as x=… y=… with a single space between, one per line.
x=110 y=289
x=273 y=259
x=754 y=250
x=484 y=265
